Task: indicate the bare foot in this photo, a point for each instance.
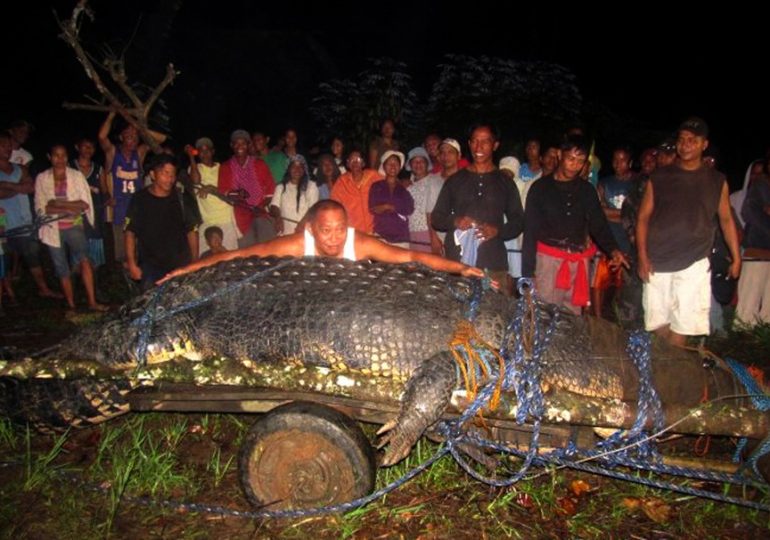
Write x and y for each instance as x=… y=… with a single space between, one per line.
x=99 y=307
x=48 y=293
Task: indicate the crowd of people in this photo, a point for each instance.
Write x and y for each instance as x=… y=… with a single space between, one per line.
x=653 y=235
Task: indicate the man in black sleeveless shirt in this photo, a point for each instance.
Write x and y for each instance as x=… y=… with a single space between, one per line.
x=675 y=232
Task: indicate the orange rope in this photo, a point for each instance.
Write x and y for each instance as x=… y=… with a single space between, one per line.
x=466 y=340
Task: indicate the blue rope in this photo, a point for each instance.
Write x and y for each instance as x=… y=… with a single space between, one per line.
x=150 y=317
x=761 y=402
x=522 y=376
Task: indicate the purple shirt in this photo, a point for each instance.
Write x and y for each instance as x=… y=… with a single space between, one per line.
x=391 y=226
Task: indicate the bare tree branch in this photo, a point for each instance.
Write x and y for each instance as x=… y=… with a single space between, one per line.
x=89 y=107
x=171 y=74
x=137 y=112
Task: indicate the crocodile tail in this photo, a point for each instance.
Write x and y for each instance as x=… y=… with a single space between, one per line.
x=53 y=405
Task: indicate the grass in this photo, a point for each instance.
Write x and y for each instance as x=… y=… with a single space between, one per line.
x=193 y=457
x=8 y=435
x=39 y=468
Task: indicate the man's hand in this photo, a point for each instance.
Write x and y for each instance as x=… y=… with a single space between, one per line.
x=278 y=225
x=382 y=208
x=618 y=259
x=464 y=223
x=472 y=271
x=436 y=245
x=134 y=271
x=486 y=231
x=735 y=269
x=644 y=269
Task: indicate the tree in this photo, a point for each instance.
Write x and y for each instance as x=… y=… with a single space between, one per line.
x=354 y=108
x=522 y=98
x=133 y=101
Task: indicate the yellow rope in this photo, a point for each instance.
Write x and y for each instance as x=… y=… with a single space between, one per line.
x=467 y=340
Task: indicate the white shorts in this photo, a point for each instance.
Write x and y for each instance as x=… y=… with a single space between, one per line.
x=680 y=299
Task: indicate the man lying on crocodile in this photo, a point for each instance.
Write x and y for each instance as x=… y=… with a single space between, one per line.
x=327 y=234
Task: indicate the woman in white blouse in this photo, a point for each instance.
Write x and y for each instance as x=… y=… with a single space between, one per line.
x=293 y=196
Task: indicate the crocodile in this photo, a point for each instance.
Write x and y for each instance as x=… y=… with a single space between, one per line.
x=374 y=330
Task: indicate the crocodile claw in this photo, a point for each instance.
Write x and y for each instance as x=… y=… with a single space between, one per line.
x=399 y=443
x=426 y=396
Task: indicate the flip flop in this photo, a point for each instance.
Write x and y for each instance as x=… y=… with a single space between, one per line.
x=99 y=308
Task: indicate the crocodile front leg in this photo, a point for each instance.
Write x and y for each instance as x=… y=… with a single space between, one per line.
x=426 y=396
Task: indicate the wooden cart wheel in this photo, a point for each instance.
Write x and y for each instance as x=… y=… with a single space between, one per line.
x=305 y=455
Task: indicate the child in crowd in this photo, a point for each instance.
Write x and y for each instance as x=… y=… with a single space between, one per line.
x=214 y=236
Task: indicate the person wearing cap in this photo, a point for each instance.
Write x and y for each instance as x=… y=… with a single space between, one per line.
x=675 y=233
x=480 y=208
x=204 y=174
x=511 y=167
x=249 y=179
x=327 y=233
x=352 y=191
x=418 y=162
x=449 y=154
x=124 y=164
x=390 y=203
x=20 y=130
x=563 y=215
x=666 y=154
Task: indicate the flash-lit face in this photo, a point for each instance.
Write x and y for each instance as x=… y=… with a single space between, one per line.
x=533 y=151
x=240 y=147
x=337 y=148
x=689 y=146
x=392 y=166
x=6 y=148
x=550 y=161
x=164 y=177
x=419 y=167
x=206 y=153
x=431 y=145
x=58 y=157
x=296 y=172
x=355 y=162
x=649 y=161
x=259 y=141
x=621 y=163
x=291 y=138
x=483 y=145
x=214 y=240
x=388 y=129
x=448 y=156
x=86 y=149
x=129 y=138
x=571 y=163
x=330 y=230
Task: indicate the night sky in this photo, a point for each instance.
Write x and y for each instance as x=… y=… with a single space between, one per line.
x=257 y=64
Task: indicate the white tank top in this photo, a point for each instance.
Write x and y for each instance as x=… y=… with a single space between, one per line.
x=348 y=251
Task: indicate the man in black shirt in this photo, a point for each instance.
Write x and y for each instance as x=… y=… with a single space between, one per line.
x=481 y=201
x=563 y=212
x=163 y=222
